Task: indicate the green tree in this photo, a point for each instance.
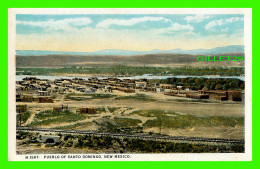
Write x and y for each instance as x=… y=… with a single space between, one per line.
x=212 y=86
x=218 y=87
x=225 y=86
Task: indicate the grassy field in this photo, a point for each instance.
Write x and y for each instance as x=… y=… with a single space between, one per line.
x=73 y=126
x=112 y=109
x=100 y=110
x=24 y=117
x=126 y=122
x=84 y=96
x=194 y=100
x=153 y=113
x=184 y=121
x=140 y=121
x=48 y=114
x=45 y=118
x=141 y=97
x=134 y=70
x=170 y=119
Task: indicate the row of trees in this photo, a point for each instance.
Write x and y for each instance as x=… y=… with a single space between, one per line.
x=210 y=83
x=136 y=70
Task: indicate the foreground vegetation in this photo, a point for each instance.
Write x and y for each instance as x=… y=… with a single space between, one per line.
x=23 y=117
x=51 y=117
x=123 y=124
x=210 y=83
x=138 y=96
x=84 y=96
x=169 y=119
x=133 y=71
x=74 y=126
x=120 y=145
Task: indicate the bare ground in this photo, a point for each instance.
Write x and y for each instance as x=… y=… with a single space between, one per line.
x=161 y=102
x=193 y=108
x=207 y=132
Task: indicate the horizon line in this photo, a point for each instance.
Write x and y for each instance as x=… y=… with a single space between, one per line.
x=128 y=50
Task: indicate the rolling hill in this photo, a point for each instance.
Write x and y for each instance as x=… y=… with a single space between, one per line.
x=109 y=60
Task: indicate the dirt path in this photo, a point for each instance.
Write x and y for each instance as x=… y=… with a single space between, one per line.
x=129 y=111
x=87 y=119
x=107 y=110
x=197 y=109
x=29 y=120
x=193 y=108
x=143 y=119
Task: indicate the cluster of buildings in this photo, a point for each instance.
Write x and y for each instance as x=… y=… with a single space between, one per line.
x=219 y=95
x=32 y=89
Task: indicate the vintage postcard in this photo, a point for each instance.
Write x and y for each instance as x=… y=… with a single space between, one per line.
x=130 y=84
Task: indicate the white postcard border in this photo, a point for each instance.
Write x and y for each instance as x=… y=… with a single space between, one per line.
x=247 y=156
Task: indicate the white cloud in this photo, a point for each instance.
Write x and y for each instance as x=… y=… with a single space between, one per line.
x=64 y=24
x=129 y=22
x=224 y=30
x=215 y=23
x=234 y=19
x=175 y=28
x=179 y=27
x=196 y=18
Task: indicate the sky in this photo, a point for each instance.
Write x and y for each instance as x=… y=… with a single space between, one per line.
x=138 y=32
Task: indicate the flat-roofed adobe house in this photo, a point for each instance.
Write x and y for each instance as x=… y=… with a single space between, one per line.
x=18 y=98
x=221 y=95
x=28 y=98
x=86 y=110
x=159 y=90
x=197 y=96
x=128 y=80
x=140 y=84
x=234 y=95
x=166 y=86
x=45 y=100
x=179 y=87
x=60 y=108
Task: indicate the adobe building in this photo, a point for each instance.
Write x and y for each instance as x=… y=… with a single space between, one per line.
x=86 y=111
x=222 y=95
x=140 y=85
x=166 y=86
x=61 y=108
x=234 y=95
x=29 y=98
x=197 y=96
x=18 y=97
x=45 y=100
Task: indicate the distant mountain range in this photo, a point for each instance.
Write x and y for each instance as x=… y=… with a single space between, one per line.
x=213 y=51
